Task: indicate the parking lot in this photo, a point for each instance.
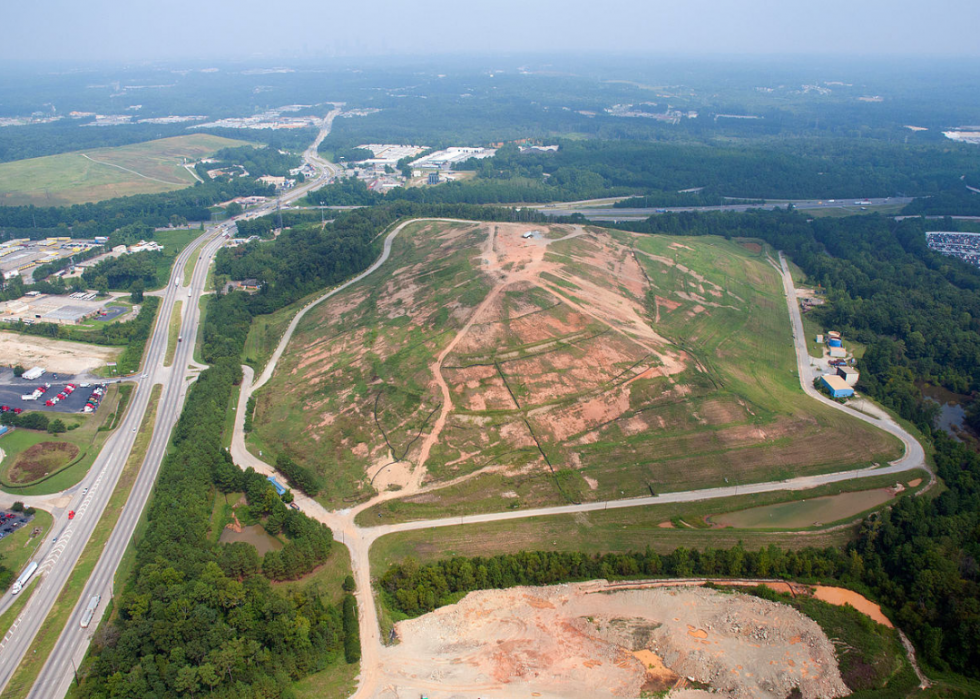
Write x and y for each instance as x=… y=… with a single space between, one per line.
x=11 y=521
x=10 y=394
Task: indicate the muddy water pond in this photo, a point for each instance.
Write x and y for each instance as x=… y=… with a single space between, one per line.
x=805 y=513
x=951 y=411
x=254 y=535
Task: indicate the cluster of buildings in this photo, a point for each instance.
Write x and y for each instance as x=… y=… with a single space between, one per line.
x=20 y=256
x=966 y=134
x=445 y=159
x=34 y=307
x=270 y=119
x=841 y=378
x=668 y=115
x=965 y=246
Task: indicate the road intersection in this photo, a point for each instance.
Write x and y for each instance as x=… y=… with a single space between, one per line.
x=90 y=497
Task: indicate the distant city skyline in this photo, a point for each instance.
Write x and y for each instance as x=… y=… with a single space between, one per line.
x=112 y=30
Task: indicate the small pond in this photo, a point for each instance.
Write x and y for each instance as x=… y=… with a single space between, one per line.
x=254 y=535
x=951 y=411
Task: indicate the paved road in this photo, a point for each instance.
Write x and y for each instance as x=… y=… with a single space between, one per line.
x=611 y=214
x=57 y=673
x=57 y=558
x=359 y=539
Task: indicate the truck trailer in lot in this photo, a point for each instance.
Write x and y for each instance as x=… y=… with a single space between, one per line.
x=24 y=577
x=32 y=374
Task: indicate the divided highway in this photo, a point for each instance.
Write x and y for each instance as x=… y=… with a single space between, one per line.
x=58 y=557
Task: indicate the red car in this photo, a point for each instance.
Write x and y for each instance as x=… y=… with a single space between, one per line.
x=71 y=514
x=4 y=408
x=18 y=411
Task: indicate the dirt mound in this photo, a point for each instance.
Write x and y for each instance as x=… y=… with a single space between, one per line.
x=41 y=459
x=580 y=641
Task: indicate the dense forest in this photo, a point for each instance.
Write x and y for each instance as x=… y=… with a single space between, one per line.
x=655 y=173
x=102 y=218
x=121 y=272
x=348 y=191
x=257 y=161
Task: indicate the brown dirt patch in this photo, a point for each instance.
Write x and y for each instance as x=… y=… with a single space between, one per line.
x=568 y=641
x=915 y=483
x=751 y=247
x=840 y=597
x=41 y=459
x=57 y=356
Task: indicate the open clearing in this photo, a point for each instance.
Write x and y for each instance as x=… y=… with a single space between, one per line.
x=105 y=173
x=576 y=364
x=56 y=356
x=41 y=459
x=582 y=640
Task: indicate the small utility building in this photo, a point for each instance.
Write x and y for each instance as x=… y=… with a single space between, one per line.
x=837 y=386
x=849 y=374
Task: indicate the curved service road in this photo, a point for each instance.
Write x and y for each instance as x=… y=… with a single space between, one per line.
x=359 y=539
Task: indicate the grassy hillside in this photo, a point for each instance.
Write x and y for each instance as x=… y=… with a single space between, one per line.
x=104 y=173
x=581 y=365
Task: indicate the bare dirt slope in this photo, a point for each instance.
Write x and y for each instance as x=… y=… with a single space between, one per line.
x=574 y=641
x=552 y=364
x=56 y=356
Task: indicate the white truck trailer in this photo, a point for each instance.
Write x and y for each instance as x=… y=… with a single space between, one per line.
x=24 y=577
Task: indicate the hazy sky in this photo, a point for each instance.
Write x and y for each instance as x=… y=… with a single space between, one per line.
x=190 y=29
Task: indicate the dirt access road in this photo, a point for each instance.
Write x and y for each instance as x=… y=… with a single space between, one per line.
x=359 y=539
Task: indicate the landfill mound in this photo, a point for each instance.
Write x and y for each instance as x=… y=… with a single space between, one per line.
x=584 y=640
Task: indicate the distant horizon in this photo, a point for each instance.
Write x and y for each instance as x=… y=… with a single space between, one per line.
x=109 y=30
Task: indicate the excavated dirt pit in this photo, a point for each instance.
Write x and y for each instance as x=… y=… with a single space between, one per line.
x=578 y=641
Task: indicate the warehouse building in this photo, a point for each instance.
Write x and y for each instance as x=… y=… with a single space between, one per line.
x=837 y=386
x=849 y=374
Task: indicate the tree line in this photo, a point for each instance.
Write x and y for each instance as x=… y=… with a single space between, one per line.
x=155 y=210
x=258 y=162
x=196 y=616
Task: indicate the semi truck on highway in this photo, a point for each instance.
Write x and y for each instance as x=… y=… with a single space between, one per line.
x=93 y=604
x=24 y=577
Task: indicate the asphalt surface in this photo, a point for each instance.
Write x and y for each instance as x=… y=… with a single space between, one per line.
x=11 y=395
x=612 y=214
x=58 y=671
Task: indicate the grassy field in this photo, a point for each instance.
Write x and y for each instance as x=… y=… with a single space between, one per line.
x=173 y=333
x=618 y=366
x=191 y=264
x=18 y=547
x=105 y=173
x=85 y=443
x=173 y=242
x=30 y=666
x=662 y=527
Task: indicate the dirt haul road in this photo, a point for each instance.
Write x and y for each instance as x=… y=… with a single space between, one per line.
x=359 y=539
x=580 y=641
